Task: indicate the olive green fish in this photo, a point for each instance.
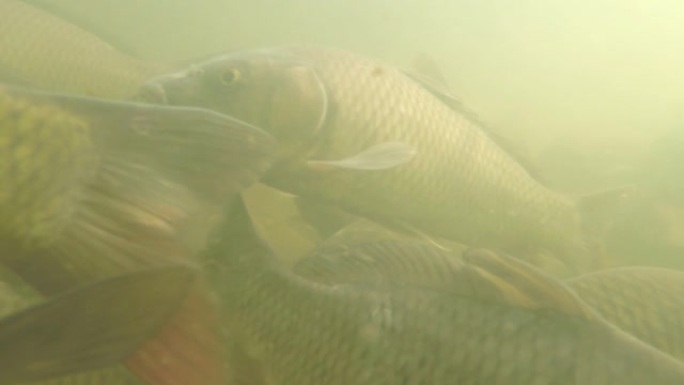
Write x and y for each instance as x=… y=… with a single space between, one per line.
x=82 y=176
x=643 y=301
x=92 y=188
x=91 y=327
x=40 y=49
x=497 y=321
x=368 y=138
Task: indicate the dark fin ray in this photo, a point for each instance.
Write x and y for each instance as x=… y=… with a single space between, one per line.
x=90 y=327
x=213 y=153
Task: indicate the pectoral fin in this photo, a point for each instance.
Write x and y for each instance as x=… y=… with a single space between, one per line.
x=382 y=156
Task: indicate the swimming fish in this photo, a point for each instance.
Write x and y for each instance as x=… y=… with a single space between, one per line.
x=42 y=50
x=92 y=188
x=498 y=320
x=642 y=301
x=367 y=137
x=79 y=175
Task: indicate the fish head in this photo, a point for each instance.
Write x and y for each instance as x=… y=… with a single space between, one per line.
x=270 y=89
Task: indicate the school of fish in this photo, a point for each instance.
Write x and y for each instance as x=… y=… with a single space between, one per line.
x=139 y=242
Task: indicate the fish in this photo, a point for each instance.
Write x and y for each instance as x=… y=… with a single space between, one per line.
x=91 y=327
x=42 y=50
x=92 y=188
x=642 y=301
x=79 y=175
x=498 y=320
x=371 y=139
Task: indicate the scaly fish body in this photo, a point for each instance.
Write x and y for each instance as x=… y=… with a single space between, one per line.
x=91 y=327
x=646 y=302
x=94 y=188
x=63 y=158
x=46 y=156
x=497 y=323
x=39 y=49
x=642 y=301
x=327 y=104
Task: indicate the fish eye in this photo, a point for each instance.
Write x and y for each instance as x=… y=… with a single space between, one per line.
x=230 y=76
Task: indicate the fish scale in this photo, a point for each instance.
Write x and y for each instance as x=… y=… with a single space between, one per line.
x=79 y=61
x=288 y=329
x=467 y=170
x=642 y=300
x=43 y=187
x=460 y=185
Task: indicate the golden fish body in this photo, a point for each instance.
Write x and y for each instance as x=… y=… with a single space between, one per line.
x=40 y=49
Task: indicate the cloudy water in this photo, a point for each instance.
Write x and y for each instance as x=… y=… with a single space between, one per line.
x=549 y=131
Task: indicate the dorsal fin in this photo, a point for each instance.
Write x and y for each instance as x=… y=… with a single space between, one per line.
x=426 y=73
x=519 y=283
x=425 y=66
